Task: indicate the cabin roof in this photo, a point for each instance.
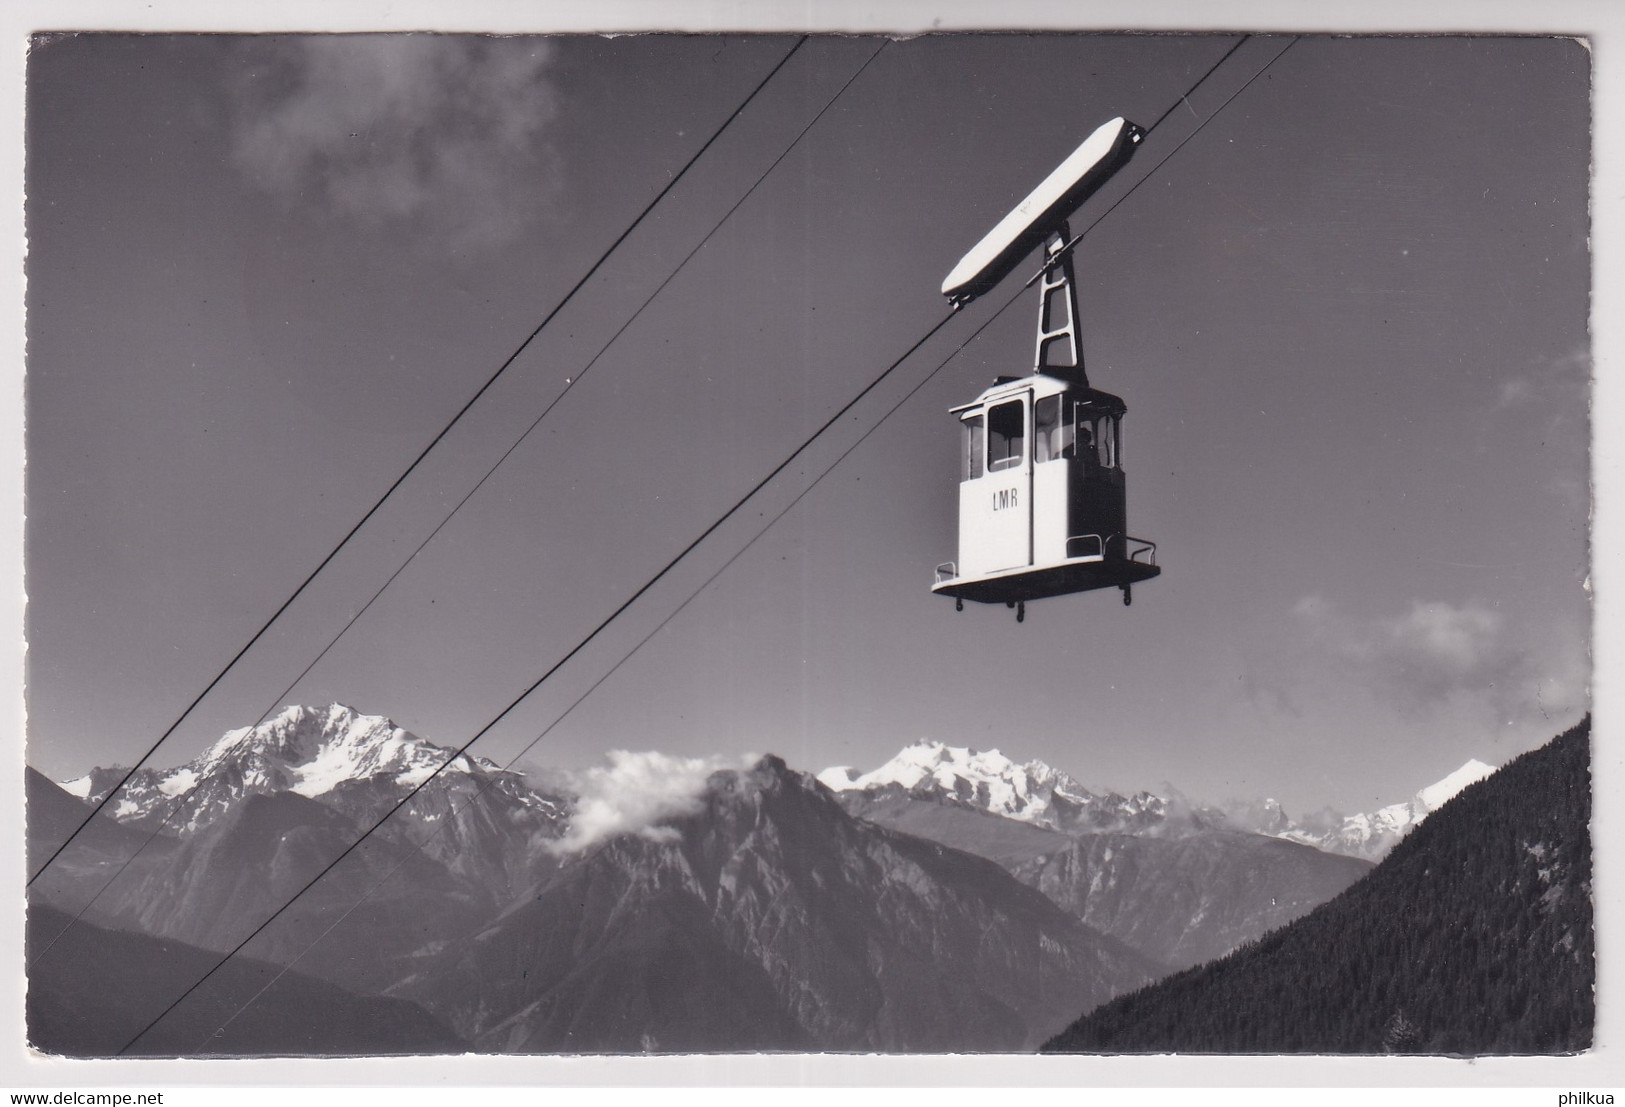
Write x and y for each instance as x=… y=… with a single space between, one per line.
x=1041 y=385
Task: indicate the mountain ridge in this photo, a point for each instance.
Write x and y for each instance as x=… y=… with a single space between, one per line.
x=1041 y=795
x=305 y=750
x=1031 y=792
x=769 y=887
x=829 y=932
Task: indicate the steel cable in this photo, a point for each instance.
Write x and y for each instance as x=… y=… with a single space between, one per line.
x=520 y=349
x=755 y=490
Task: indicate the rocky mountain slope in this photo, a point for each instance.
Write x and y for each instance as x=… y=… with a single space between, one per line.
x=1188 y=899
x=97 y=990
x=952 y=900
x=1181 y=888
x=772 y=919
x=761 y=916
x=91 y=858
x=266 y=809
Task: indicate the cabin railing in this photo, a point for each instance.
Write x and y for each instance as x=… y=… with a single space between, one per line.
x=1086 y=545
x=946 y=571
x=1094 y=547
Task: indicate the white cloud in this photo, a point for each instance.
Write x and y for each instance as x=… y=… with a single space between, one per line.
x=1452 y=643
x=441 y=132
x=1515 y=391
x=636 y=794
x=1437 y=653
x=1563 y=380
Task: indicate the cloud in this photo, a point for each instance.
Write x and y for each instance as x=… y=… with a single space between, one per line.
x=1439 y=648
x=1515 y=391
x=1428 y=652
x=1436 y=653
x=442 y=135
x=1543 y=411
x=635 y=794
x=1565 y=378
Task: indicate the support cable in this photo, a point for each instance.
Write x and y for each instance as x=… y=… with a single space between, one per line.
x=555 y=667
x=520 y=349
x=1077 y=238
x=737 y=506
x=517 y=700
x=1186 y=99
x=185 y=799
x=283 y=970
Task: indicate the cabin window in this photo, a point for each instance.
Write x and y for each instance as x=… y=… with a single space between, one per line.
x=1105 y=441
x=1006 y=435
x=1105 y=427
x=1097 y=438
x=1087 y=440
x=972 y=447
x=1051 y=433
x=1068 y=433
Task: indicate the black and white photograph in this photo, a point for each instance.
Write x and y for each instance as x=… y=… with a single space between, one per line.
x=1021 y=543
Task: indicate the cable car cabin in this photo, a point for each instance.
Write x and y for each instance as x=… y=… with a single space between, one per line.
x=1041 y=495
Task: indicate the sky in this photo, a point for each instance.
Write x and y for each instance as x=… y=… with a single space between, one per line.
x=1348 y=317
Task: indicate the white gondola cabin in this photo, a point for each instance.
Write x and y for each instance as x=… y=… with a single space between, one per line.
x=1042 y=501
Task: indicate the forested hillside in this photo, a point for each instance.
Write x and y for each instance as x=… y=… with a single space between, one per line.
x=1473 y=937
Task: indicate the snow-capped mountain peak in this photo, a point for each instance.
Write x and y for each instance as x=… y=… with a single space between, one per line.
x=1036 y=793
x=1435 y=795
x=1372 y=834
x=985 y=777
x=318 y=749
x=1032 y=792
x=307 y=750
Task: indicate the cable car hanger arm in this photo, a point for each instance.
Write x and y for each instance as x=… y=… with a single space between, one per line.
x=1045 y=208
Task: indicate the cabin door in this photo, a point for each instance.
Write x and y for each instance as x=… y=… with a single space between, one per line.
x=1006 y=510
